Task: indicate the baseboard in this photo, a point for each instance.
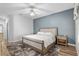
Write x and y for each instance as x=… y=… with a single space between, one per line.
x=71 y=44
x=15 y=41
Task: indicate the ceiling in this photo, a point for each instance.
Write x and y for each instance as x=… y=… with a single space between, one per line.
x=22 y=8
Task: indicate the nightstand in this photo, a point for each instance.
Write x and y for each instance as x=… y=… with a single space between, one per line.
x=62 y=40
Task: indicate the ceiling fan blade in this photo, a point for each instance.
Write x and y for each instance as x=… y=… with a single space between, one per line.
x=30 y=7
x=19 y=11
x=23 y=8
x=33 y=4
x=44 y=10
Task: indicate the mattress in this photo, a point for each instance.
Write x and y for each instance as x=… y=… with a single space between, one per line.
x=38 y=38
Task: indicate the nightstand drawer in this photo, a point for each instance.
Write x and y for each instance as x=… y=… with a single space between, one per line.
x=61 y=39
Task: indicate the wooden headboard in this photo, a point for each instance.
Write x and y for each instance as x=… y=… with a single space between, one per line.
x=53 y=30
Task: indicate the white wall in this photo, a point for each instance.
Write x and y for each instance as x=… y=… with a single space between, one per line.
x=21 y=25
x=10 y=28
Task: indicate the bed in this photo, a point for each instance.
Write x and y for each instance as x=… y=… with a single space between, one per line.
x=42 y=41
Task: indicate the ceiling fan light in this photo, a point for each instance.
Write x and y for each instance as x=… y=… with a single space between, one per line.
x=32 y=14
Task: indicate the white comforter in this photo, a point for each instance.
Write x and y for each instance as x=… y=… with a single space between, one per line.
x=46 y=38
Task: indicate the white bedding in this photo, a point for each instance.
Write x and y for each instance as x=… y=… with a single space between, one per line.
x=46 y=38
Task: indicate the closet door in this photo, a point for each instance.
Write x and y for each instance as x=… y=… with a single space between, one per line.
x=76 y=18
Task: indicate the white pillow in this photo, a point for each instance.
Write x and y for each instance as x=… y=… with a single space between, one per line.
x=40 y=33
x=45 y=33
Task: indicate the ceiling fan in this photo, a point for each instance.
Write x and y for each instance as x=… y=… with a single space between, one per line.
x=33 y=9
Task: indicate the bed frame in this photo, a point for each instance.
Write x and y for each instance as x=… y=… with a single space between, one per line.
x=44 y=50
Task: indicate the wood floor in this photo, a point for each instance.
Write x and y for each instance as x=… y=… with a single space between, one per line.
x=3 y=46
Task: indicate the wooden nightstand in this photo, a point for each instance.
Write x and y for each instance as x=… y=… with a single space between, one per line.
x=63 y=40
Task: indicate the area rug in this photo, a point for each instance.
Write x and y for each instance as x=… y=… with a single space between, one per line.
x=17 y=50
x=68 y=50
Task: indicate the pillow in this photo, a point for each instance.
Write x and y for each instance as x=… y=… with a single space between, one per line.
x=40 y=33
x=45 y=33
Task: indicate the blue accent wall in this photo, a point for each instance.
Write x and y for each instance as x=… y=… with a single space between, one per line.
x=63 y=20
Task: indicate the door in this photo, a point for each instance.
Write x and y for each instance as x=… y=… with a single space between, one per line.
x=3 y=46
x=77 y=35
